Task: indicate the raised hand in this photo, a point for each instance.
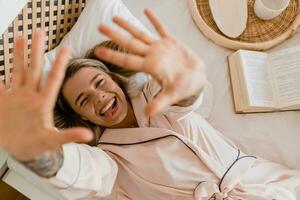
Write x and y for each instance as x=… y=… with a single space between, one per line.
x=26 y=109
x=180 y=71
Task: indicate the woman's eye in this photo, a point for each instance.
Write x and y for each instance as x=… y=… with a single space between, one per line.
x=83 y=102
x=98 y=83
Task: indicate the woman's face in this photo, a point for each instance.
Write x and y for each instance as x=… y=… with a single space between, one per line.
x=96 y=97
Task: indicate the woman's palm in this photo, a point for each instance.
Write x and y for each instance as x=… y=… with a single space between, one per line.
x=179 y=71
x=26 y=128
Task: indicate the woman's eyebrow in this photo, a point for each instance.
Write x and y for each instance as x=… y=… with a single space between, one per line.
x=91 y=81
x=96 y=76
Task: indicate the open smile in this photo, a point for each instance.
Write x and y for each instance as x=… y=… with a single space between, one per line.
x=110 y=108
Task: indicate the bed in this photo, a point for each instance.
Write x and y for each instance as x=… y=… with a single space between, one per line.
x=272 y=136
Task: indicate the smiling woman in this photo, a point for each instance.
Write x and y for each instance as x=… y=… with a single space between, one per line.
x=94 y=74
x=91 y=96
x=174 y=152
x=91 y=93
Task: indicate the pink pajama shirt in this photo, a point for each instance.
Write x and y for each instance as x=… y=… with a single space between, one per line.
x=174 y=155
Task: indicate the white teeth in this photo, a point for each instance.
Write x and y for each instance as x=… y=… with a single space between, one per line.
x=108 y=105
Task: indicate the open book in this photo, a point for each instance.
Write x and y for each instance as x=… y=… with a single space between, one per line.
x=263 y=82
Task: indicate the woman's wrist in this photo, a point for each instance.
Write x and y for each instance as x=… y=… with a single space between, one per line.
x=190 y=100
x=199 y=68
x=48 y=164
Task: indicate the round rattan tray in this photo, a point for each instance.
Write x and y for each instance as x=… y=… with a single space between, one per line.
x=258 y=35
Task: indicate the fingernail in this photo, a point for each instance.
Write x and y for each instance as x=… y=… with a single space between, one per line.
x=100 y=50
x=115 y=18
x=89 y=136
x=101 y=27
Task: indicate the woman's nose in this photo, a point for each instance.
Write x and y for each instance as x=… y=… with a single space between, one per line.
x=99 y=97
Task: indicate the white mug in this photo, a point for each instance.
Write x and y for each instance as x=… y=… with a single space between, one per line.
x=268 y=9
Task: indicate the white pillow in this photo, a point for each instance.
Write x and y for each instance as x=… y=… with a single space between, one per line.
x=85 y=35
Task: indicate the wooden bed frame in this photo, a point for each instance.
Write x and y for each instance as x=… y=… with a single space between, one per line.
x=56 y=17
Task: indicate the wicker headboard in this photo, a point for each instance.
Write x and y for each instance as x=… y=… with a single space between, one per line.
x=56 y=17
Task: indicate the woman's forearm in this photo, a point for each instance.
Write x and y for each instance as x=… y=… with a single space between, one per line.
x=47 y=164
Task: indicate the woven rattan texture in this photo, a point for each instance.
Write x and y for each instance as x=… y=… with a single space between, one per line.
x=56 y=17
x=257 y=30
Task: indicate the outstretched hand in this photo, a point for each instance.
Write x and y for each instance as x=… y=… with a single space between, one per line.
x=180 y=72
x=26 y=109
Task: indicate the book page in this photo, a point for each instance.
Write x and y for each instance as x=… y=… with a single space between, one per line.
x=256 y=73
x=285 y=67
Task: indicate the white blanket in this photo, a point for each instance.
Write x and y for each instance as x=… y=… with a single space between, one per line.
x=273 y=136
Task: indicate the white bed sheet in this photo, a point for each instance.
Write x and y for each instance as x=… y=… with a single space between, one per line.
x=272 y=136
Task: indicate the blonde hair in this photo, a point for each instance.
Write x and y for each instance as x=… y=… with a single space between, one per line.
x=113 y=68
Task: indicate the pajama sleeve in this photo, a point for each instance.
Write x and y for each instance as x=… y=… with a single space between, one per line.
x=86 y=172
x=152 y=88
